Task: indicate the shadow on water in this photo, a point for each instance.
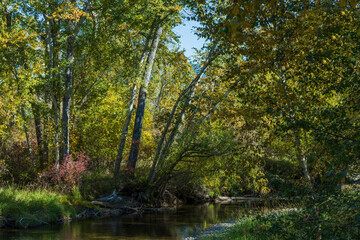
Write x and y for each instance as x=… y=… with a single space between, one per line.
x=178 y=224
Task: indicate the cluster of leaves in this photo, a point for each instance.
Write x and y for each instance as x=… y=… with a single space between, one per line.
x=329 y=217
x=286 y=74
x=70 y=171
x=3 y=168
x=17 y=166
x=301 y=100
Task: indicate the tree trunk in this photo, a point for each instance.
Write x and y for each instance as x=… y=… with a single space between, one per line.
x=48 y=76
x=28 y=141
x=134 y=151
x=124 y=133
x=46 y=142
x=55 y=99
x=135 y=144
x=39 y=133
x=56 y=118
x=8 y=16
x=186 y=92
x=163 y=84
x=131 y=107
x=301 y=156
x=72 y=33
x=68 y=90
x=172 y=136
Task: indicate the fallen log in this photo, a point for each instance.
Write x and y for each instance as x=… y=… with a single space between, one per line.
x=114 y=206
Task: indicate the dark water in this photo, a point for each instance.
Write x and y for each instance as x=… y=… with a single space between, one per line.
x=167 y=225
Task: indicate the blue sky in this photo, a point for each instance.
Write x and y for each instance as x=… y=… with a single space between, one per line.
x=188 y=39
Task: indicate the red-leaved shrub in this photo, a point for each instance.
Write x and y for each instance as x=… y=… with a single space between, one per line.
x=70 y=171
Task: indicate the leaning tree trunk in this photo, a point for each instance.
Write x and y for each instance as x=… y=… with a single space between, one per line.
x=131 y=107
x=135 y=144
x=187 y=92
x=124 y=133
x=172 y=136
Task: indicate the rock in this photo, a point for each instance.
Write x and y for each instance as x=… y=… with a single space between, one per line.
x=216 y=229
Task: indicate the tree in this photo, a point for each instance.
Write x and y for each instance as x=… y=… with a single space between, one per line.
x=279 y=36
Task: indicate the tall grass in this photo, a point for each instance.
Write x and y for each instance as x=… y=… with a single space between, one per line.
x=35 y=207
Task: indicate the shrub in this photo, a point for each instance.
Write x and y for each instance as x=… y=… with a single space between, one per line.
x=97 y=184
x=16 y=164
x=70 y=172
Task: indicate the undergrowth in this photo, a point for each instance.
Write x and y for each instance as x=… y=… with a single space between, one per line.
x=334 y=216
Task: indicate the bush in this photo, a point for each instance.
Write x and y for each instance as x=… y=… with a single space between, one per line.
x=283 y=186
x=16 y=164
x=70 y=172
x=323 y=216
x=95 y=185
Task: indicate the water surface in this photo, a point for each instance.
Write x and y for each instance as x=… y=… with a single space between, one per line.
x=178 y=224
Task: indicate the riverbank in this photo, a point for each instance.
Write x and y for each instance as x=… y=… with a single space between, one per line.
x=25 y=208
x=28 y=208
x=228 y=230
x=334 y=216
x=33 y=208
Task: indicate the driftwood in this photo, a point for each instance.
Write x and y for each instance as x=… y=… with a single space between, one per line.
x=116 y=206
x=114 y=198
x=224 y=199
x=103 y=204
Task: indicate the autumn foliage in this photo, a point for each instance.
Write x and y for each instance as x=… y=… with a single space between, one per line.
x=70 y=171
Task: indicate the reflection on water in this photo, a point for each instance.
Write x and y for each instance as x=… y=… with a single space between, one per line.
x=167 y=225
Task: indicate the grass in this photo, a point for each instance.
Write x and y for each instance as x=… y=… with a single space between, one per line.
x=36 y=207
x=252 y=228
x=332 y=217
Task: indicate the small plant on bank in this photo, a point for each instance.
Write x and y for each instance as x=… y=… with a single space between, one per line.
x=70 y=171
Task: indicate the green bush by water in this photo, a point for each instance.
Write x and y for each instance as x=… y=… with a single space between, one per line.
x=335 y=216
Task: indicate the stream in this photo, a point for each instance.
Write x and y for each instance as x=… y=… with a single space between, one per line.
x=177 y=224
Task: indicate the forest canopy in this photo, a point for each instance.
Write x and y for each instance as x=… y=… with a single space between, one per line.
x=102 y=87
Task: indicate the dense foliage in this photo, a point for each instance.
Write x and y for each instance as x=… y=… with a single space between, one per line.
x=334 y=218
x=100 y=90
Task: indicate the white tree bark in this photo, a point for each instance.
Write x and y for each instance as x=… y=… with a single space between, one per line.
x=135 y=144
